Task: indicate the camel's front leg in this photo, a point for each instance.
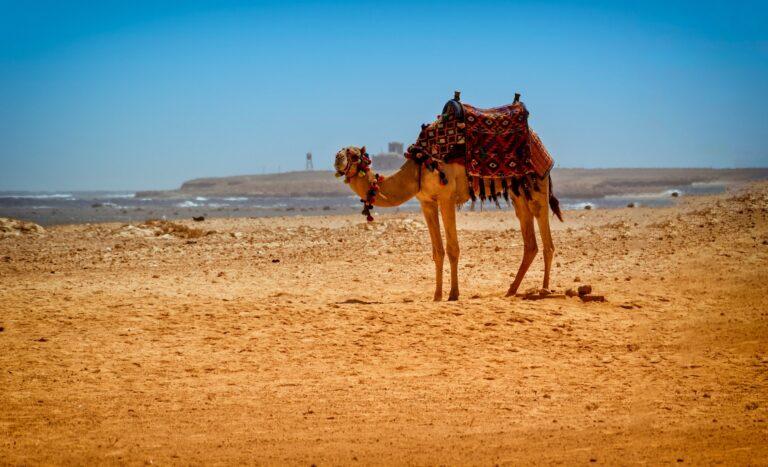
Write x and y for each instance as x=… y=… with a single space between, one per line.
x=448 y=210
x=429 y=208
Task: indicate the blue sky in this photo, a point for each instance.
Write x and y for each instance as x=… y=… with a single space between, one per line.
x=138 y=95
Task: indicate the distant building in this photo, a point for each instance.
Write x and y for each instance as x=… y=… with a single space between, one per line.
x=309 y=162
x=390 y=160
x=396 y=147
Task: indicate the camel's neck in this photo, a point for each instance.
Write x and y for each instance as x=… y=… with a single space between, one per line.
x=395 y=190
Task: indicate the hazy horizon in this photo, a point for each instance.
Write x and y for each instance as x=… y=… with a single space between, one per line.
x=122 y=97
x=55 y=190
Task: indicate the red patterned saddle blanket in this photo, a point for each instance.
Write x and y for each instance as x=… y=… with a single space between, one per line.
x=492 y=143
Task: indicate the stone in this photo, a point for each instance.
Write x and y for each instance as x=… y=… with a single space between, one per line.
x=592 y=298
x=584 y=290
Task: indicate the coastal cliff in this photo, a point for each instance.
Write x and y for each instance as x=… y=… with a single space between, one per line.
x=572 y=183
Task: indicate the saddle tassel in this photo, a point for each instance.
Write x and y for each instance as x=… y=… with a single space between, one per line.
x=494 y=196
x=505 y=189
x=516 y=186
x=526 y=188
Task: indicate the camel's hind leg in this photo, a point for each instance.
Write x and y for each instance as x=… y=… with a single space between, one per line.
x=430 y=210
x=542 y=217
x=530 y=249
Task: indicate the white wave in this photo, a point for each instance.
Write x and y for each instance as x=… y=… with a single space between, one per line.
x=194 y=204
x=236 y=198
x=66 y=196
x=657 y=195
x=714 y=183
x=201 y=198
x=583 y=205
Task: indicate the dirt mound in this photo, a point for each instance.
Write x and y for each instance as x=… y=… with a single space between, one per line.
x=160 y=228
x=14 y=227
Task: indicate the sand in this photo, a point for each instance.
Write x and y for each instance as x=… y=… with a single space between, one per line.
x=314 y=340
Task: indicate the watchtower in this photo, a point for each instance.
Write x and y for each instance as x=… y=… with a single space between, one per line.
x=309 y=162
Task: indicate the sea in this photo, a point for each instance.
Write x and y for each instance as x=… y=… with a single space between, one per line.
x=76 y=207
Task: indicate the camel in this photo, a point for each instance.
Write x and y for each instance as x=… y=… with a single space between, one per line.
x=442 y=198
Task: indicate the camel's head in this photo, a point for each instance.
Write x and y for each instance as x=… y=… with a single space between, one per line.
x=351 y=161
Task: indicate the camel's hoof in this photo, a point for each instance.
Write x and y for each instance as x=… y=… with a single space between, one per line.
x=511 y=292
x=453 y=297
x=438 y=297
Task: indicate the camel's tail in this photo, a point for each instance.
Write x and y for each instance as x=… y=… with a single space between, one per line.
x=554 y=203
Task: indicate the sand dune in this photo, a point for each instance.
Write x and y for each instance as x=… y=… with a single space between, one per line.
x=314 y=340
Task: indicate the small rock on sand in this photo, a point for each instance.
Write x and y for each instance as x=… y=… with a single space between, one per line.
x=13 y=227
x=585 y=290
x=592 y=298
x=160 y=229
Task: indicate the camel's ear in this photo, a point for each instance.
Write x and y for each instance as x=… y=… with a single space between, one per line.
x=362 y=150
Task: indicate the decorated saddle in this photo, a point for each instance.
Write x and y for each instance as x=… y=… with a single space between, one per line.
x=498 y=149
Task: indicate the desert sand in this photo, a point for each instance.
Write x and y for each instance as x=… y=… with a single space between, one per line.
x=314 y=340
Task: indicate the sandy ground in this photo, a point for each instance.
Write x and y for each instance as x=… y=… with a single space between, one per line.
x=118 y=348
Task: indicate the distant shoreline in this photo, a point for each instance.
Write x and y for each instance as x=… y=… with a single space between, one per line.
x=570 y=183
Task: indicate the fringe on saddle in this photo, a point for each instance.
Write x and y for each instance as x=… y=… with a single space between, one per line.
x=494 y=189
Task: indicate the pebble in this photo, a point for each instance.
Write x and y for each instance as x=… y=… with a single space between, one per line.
x=585 y=290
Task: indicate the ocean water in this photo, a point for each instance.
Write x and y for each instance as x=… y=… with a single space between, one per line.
x=70 y=207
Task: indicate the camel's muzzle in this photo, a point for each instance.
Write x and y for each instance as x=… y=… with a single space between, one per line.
x=341 y=164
